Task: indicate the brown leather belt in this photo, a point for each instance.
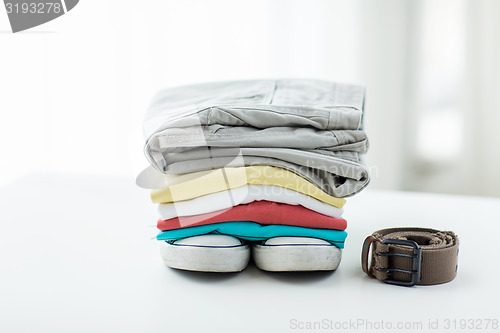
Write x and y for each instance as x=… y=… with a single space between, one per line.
x=410 y=256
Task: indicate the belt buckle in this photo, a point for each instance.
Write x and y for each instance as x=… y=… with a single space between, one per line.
x=416 y=262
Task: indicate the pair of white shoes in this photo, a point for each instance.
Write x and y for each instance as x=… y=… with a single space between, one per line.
x=221 y=253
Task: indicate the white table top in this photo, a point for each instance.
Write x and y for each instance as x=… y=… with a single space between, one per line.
x=77 y=255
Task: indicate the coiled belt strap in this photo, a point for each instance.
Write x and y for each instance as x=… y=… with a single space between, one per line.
x=409 y=256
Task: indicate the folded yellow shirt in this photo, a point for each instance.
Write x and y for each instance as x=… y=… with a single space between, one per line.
x=197 y=184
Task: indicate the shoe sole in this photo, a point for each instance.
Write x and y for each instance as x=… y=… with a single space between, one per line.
x=221 y=259
x=296 y=257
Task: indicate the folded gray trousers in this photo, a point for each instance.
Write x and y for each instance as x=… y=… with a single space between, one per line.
x=309 y=127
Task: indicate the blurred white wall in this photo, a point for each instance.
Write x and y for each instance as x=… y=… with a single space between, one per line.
x=73 y=91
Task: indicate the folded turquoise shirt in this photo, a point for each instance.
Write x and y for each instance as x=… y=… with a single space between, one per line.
x=255 y=232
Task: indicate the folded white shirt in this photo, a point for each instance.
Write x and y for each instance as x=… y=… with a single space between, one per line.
x=243 y=195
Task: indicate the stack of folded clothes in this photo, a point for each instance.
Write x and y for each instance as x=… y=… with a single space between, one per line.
x=256 y=167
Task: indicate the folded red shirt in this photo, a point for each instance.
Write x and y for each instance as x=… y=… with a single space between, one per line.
x=263 y=212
